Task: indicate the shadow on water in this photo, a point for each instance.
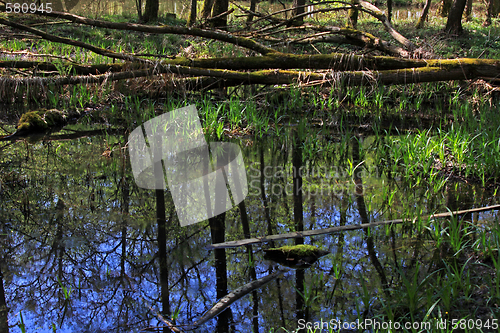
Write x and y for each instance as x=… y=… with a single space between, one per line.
x=84 y=249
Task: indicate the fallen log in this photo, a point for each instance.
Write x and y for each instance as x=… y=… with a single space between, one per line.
x=166 y=29
x=233 y=296
x=74 y=68
x=227 y=78
x=41 y=122
x=308 y=233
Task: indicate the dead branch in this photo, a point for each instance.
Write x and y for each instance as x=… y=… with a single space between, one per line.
x=379 y=15
x=69 y=41
x=235 y=295
x=166 y=29
x=74 y=68
x=458 y=71
x=325 y=231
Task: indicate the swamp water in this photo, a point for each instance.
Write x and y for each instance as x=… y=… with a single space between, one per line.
x=82 y=250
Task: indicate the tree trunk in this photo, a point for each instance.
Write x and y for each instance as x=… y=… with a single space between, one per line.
x=444 y=10
x=253 y=4
x=423 y=16
x=468 y=11
x=151 y=11
x=138 y=5
x=389 y=10
x=220 y=6
x=207 y=8
x=493 y=8
x=298 y=9
x=352 y=16
x=192 y=13
x=454 y=23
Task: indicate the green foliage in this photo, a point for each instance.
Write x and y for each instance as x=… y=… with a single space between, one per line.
x=31 y=121
x=301 y=250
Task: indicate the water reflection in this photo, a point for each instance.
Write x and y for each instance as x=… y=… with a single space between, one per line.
x=84 y=249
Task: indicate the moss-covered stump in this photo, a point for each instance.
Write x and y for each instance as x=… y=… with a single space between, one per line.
x=40 y=121
x=296 y=256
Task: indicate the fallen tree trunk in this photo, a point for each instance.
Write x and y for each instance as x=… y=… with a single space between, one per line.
x=270 y=69
x=436 y=70
x=353 y=37
x=333 y=62
x=166 y=29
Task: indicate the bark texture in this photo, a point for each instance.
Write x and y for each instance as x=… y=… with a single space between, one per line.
x=454 y=23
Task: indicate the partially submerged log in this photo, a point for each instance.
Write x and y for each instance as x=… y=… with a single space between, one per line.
x=233 y=296
x=40 y=122
x=308 y=233
x=295 y=256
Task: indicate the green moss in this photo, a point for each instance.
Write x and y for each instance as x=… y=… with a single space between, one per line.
x=31 y=121
x=41 y=120
x=54 y=117
x=296 y=256
x=301 y=250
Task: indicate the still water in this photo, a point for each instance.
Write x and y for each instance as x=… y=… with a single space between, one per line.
x=83 y=252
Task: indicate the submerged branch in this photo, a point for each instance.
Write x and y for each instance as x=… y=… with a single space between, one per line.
x=167 y=29
x=235 y=295
x=325 y=231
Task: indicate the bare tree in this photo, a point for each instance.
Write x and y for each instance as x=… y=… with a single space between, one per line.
x=352 y=16
x=423 y=16
x=298 y=9
x=192 y=13
x=444 y=9
x=151 y=11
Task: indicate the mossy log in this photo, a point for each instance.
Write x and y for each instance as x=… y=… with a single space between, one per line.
x=331 y=230
x=454 y=70
x=41 y=121
x=296 y=256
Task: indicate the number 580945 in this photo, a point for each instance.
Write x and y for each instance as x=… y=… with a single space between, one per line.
x=16 y=7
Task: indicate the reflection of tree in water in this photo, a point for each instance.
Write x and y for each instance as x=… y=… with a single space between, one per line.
x=71 y=263
x=4 y=324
